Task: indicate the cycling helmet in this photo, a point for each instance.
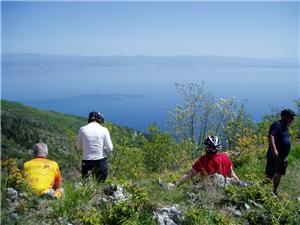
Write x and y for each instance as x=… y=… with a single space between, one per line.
x=96 y=116
x=212 y=144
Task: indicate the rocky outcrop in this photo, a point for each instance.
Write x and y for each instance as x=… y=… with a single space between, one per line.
x=169 y=215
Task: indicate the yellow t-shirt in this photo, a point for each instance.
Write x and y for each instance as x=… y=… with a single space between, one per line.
x=42 y=174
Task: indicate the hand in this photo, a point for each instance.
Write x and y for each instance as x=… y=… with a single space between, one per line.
x=275 y=154
x=171 y=186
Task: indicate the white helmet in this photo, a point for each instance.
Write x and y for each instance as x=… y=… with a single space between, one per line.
x=212 y=144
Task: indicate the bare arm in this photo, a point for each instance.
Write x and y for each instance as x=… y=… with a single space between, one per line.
x=186 y=177
x=273 y=145
x=233 y=174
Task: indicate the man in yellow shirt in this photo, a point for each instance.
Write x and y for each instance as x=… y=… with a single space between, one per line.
x=43 y=175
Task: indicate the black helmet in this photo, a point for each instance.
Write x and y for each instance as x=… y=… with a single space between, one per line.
x=288 y=112
x=212 y=144
x=96 y=116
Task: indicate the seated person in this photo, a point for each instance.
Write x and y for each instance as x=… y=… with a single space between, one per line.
x=43 y=175
x=210 y=163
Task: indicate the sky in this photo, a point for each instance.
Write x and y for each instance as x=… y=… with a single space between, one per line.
x=241 y=29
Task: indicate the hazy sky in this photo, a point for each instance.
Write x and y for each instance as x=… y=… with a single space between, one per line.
x=252 y=29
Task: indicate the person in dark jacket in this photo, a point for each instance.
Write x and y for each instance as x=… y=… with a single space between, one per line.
x=279 y=147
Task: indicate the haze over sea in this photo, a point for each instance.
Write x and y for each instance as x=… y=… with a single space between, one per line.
x=123 y=57
x=135 y=91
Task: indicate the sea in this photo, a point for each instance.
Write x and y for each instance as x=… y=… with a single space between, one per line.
x=137 y=94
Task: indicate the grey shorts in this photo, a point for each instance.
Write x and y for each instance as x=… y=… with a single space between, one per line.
x=276 y=165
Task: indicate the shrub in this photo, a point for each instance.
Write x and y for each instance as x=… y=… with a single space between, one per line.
x=265 y=208
x=202 y=216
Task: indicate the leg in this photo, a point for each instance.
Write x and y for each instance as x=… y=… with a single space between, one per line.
x=85 y=168
x=276 y=181
x=282 y=165
x=271 y=167
x=102 y=170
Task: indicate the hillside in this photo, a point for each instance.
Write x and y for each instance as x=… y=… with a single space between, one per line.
x=23 y=126
x=139 y=169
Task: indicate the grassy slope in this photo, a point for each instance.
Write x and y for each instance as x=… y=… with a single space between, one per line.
x=59 y=132
x=23 y=126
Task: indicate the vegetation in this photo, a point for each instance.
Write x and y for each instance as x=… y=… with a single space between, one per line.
x=141 y=161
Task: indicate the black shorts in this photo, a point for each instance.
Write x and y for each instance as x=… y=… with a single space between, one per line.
x=276 y=165
x=98 y=168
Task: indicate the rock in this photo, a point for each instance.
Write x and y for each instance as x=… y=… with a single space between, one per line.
x=12 y=194
x=120 y=194
x=238 y=213
x=247 y=207
x=116 y=194
x=169 y=222
x=221 y=181
x=169 y=215
x=63 y=221
x=245 y=183
x=14 y=216
x=234 y=211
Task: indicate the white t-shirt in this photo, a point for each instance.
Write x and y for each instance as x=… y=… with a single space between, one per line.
x=95 y=141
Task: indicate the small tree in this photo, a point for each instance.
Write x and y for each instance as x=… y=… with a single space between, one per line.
x=157 y=150
x=208 y=108
x=237 y=126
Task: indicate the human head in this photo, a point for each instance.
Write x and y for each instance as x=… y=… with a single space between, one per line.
x=40 y=150
x=287 y=116
x=96 y=116
x=212 y=144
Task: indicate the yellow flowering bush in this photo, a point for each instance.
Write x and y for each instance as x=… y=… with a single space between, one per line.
x=11 y=174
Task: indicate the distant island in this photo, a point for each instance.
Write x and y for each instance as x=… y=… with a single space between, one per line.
x=43 y=60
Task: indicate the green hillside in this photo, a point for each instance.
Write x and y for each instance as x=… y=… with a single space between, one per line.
x=141 y=165
x=23 y=126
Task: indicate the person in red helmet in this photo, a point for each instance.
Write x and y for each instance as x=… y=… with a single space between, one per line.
x=95 y=142
x=213 y=162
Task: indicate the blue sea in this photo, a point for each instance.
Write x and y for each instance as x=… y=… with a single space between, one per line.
x=136 y=94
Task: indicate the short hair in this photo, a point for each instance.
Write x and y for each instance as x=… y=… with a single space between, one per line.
x=40 y=149
x=288 y=112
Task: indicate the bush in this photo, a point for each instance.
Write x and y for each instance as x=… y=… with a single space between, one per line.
x=265 y=208
x=206 y=217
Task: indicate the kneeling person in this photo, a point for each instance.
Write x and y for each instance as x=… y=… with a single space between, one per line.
x=210 y=163
x=43 y=175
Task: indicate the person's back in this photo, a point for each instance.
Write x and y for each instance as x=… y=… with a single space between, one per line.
x=210 y=164
x=93 y=141
x=213 y=162
x=41 y=174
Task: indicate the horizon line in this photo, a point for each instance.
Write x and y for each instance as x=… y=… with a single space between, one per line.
x=155 y=56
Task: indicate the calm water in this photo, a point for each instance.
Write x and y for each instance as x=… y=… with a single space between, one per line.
x=137 y=95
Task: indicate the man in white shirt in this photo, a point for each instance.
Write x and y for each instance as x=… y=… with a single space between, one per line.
x=95 y=142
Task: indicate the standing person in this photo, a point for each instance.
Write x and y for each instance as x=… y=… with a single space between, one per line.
x=210 y=163
x=279 y=147
x=41 y=174
x=95 y=142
